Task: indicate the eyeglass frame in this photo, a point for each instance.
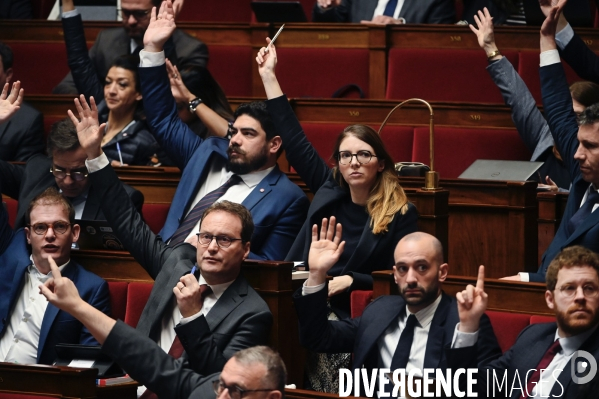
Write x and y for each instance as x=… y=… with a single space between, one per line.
x=137 y=14
x=70 y=173
x=354 y=155
x=217 y=384
x=573 y=293
x=48 y=225
x=217 y=238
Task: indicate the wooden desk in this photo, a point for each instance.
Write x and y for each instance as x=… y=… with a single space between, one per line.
x=504 y=296
x=551 y=211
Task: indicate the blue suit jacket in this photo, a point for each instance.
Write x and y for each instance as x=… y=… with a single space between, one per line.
x=557 y=103
x=57 y=326
x=278 y=206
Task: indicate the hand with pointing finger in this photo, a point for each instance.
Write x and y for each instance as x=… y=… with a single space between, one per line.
x=60 y=291
x=472 y=303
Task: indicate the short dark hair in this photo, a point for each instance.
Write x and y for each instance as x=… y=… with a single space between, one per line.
x=589 y=116
x=7 y=57
x=258 y=111
x=130 y=63
x=62 y=137
x=50 y=196
x=572 y=256
x=276 y=372
x=586 y=93
x=247 y=223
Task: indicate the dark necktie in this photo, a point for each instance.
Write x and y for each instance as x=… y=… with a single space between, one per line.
x=176 y=349
x=543 y=364
x=390 y=8
x=584 y=211
x=402 y=352
x=194 y=216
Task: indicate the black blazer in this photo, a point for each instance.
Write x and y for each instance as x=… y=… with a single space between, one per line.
x=24 y=183
x=414 y=11
x=22 y=136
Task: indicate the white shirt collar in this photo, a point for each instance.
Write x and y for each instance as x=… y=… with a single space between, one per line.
x=217 y=289
x=571 y=344
x=36 y=274
x=425 y=316
x=253 y=178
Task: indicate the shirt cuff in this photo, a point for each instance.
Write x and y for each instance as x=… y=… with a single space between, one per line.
x=148 y=59
x=463 y=339
x=312 y=289
x=524 y=277
x=549 y=57
x=70 y=14
x=97 y=164
x=563 y=37
x=185 y=320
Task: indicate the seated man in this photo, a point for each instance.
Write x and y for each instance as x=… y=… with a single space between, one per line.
x=385 y=12
x=210 y=319
x=31 y=327
x=23 y=135
x=572 y=293
x=406 y=331
x=243 y=170
x=64 y=169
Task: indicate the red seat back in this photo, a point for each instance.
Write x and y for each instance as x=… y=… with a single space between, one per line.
x=399 y=142
x=155 y=215
x=507 y=326
x=231 y=66
x=541 y=319
x=36 y=77
x=216 y=11
x=118 y=299
x=11 y=208
x=137 y=296
x=358 y=302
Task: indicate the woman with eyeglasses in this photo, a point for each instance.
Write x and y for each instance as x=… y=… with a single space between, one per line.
x=127 y=140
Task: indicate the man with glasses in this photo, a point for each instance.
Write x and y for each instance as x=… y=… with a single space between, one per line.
x=31 y=327
x=64 y=169
x=182 y=49
x=565 y=352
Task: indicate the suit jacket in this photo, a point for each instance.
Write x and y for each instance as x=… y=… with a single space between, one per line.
x=112 y=43
x=557 y=103
x=278 y=206
x=525 y=355
x=239 y=319
x=16 y=9
x=57 y=326
x=582 y=59
x=22 y=136
x=24 y=183
x=413 y=11
x=360 y=335
x=374 y=251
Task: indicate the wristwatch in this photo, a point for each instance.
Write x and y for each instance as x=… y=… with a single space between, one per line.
x=193 y=104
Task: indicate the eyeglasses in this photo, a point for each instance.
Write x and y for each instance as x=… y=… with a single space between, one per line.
x=41 y=228
x=363 y=157
x=588 y=290
x=139 y=15
x=234 y=391
x=77 y=175
x=222 y=241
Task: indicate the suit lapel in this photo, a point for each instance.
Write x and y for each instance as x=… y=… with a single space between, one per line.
x=591 y=345
x=228 y=301
x=262 y=189
x=434 y=347
x=92 y=207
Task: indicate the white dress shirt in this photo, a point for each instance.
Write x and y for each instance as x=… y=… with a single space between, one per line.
x=380 y=8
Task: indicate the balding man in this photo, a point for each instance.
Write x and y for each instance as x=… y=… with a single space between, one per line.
x=422 y=318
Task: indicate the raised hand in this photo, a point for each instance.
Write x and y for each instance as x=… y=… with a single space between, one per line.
x=484 y=30
x=325 y=250
x=178 y=88
x=549 y=27
x=162 y=25
x=187 y=292
x=267 y=59
x=10 y=103
x=89 y=130
x=472 y=303
x=60 y=291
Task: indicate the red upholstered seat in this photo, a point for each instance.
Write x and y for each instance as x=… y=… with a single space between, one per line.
x=541 y=319
x=528 y=68
x=399 y=141
x=13 y=395
x=358 y=302
x=11 y=208
x=319 y=72
x=507 y=326
x=118 y=299
x=137 y=296
x=155 y=215
x=457 y=148
x=323 y=136
x=442 y=75
x=216 y=11
x=39 y=66
x=231 y=66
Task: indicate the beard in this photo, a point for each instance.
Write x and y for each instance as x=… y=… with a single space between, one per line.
x=245 y=164
x=576 y=324
x=426 y=297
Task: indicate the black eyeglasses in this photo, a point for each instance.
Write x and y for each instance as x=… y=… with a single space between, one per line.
x=363 y=157
x=222 y=241
x=77 y=175
x=41 y=228
x=139 y=15
x=234 y=391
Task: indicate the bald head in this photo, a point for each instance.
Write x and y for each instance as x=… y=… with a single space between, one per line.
x=423 y=240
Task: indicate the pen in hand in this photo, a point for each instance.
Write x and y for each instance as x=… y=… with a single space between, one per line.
x=118 y=148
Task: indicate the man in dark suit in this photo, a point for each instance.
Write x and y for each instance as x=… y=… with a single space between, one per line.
x=182 y=49
x=559 y=350
x=23 y=135
x=212 y=315
x=31 y=327
x=65 y=169
x=278 y=206
x=385 y=12
x=578 y=143
x=407 y=331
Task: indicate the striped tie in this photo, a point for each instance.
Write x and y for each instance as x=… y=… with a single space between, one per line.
x=194 y=216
